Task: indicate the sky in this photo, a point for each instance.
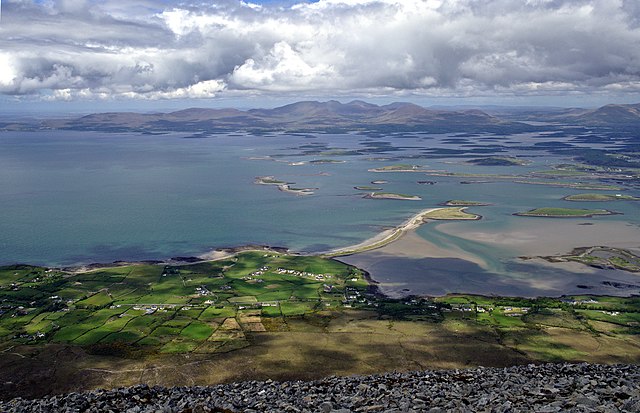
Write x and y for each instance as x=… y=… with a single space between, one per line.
x=137 y=54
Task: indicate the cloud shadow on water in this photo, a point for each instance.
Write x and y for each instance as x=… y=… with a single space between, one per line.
x=401 y=276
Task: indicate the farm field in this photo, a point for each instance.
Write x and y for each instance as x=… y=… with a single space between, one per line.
x=262 y=314
x=200 y=307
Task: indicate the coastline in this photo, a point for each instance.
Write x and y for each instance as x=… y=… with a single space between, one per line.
x=384 y=238
x=380 y=240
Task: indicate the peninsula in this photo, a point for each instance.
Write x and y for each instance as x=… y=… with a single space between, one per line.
x=388 y=236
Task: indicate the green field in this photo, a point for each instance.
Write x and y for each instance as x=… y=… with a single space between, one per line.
x=159 y=304
x=290 y=316
x=178 y=309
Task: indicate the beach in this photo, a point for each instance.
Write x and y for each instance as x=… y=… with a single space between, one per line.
x=385 y=237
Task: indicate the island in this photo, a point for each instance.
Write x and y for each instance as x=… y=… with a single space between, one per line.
x=324 y=161
x=453 y=213
x=367 y=188
x=574 y=185
x=398 y=168
x=268 y=180
x=391 y=195
x=600 y=197
x=462 y=203
x=498 y=161
x=564 y=213
x=297 y=191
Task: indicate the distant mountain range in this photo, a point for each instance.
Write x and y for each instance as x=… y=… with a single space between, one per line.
x=610 y=115
x=300 y=116
x=333 y=116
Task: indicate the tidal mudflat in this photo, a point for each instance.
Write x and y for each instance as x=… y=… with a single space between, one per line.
x=458 y=257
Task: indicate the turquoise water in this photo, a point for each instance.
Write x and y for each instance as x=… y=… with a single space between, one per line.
x=77 y=197
x=80 y=197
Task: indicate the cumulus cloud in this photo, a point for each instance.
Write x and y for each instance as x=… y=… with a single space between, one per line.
x=158 y=49
x=281 y=69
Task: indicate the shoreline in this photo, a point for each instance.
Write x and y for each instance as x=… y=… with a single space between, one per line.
x=383 y=238
x=380 y=240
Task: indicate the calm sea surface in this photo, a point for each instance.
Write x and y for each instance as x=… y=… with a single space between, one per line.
x=81 y=197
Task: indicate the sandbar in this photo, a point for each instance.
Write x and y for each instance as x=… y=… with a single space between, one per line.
x=385 y=237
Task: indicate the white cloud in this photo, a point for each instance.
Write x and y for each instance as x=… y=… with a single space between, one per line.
x=71 y=49
x=8 y=73
x=281 y=69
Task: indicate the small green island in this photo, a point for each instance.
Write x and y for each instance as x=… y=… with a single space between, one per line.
x=574 y=185
x=324 y=161
x=391 y=195
x=268 y=180
x=600 y=197
x=297 y=191
x=283 y=186
x=499 y=161
x=453 y=213
x=462 y=203
x=403 y=167
x=564 y=213
x=367 y=188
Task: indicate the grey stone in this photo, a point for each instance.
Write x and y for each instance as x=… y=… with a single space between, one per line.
x=326 y=407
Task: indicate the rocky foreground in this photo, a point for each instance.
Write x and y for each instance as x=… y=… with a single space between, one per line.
x=532 y=388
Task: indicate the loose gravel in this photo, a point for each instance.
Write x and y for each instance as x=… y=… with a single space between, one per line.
x=531 y=388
